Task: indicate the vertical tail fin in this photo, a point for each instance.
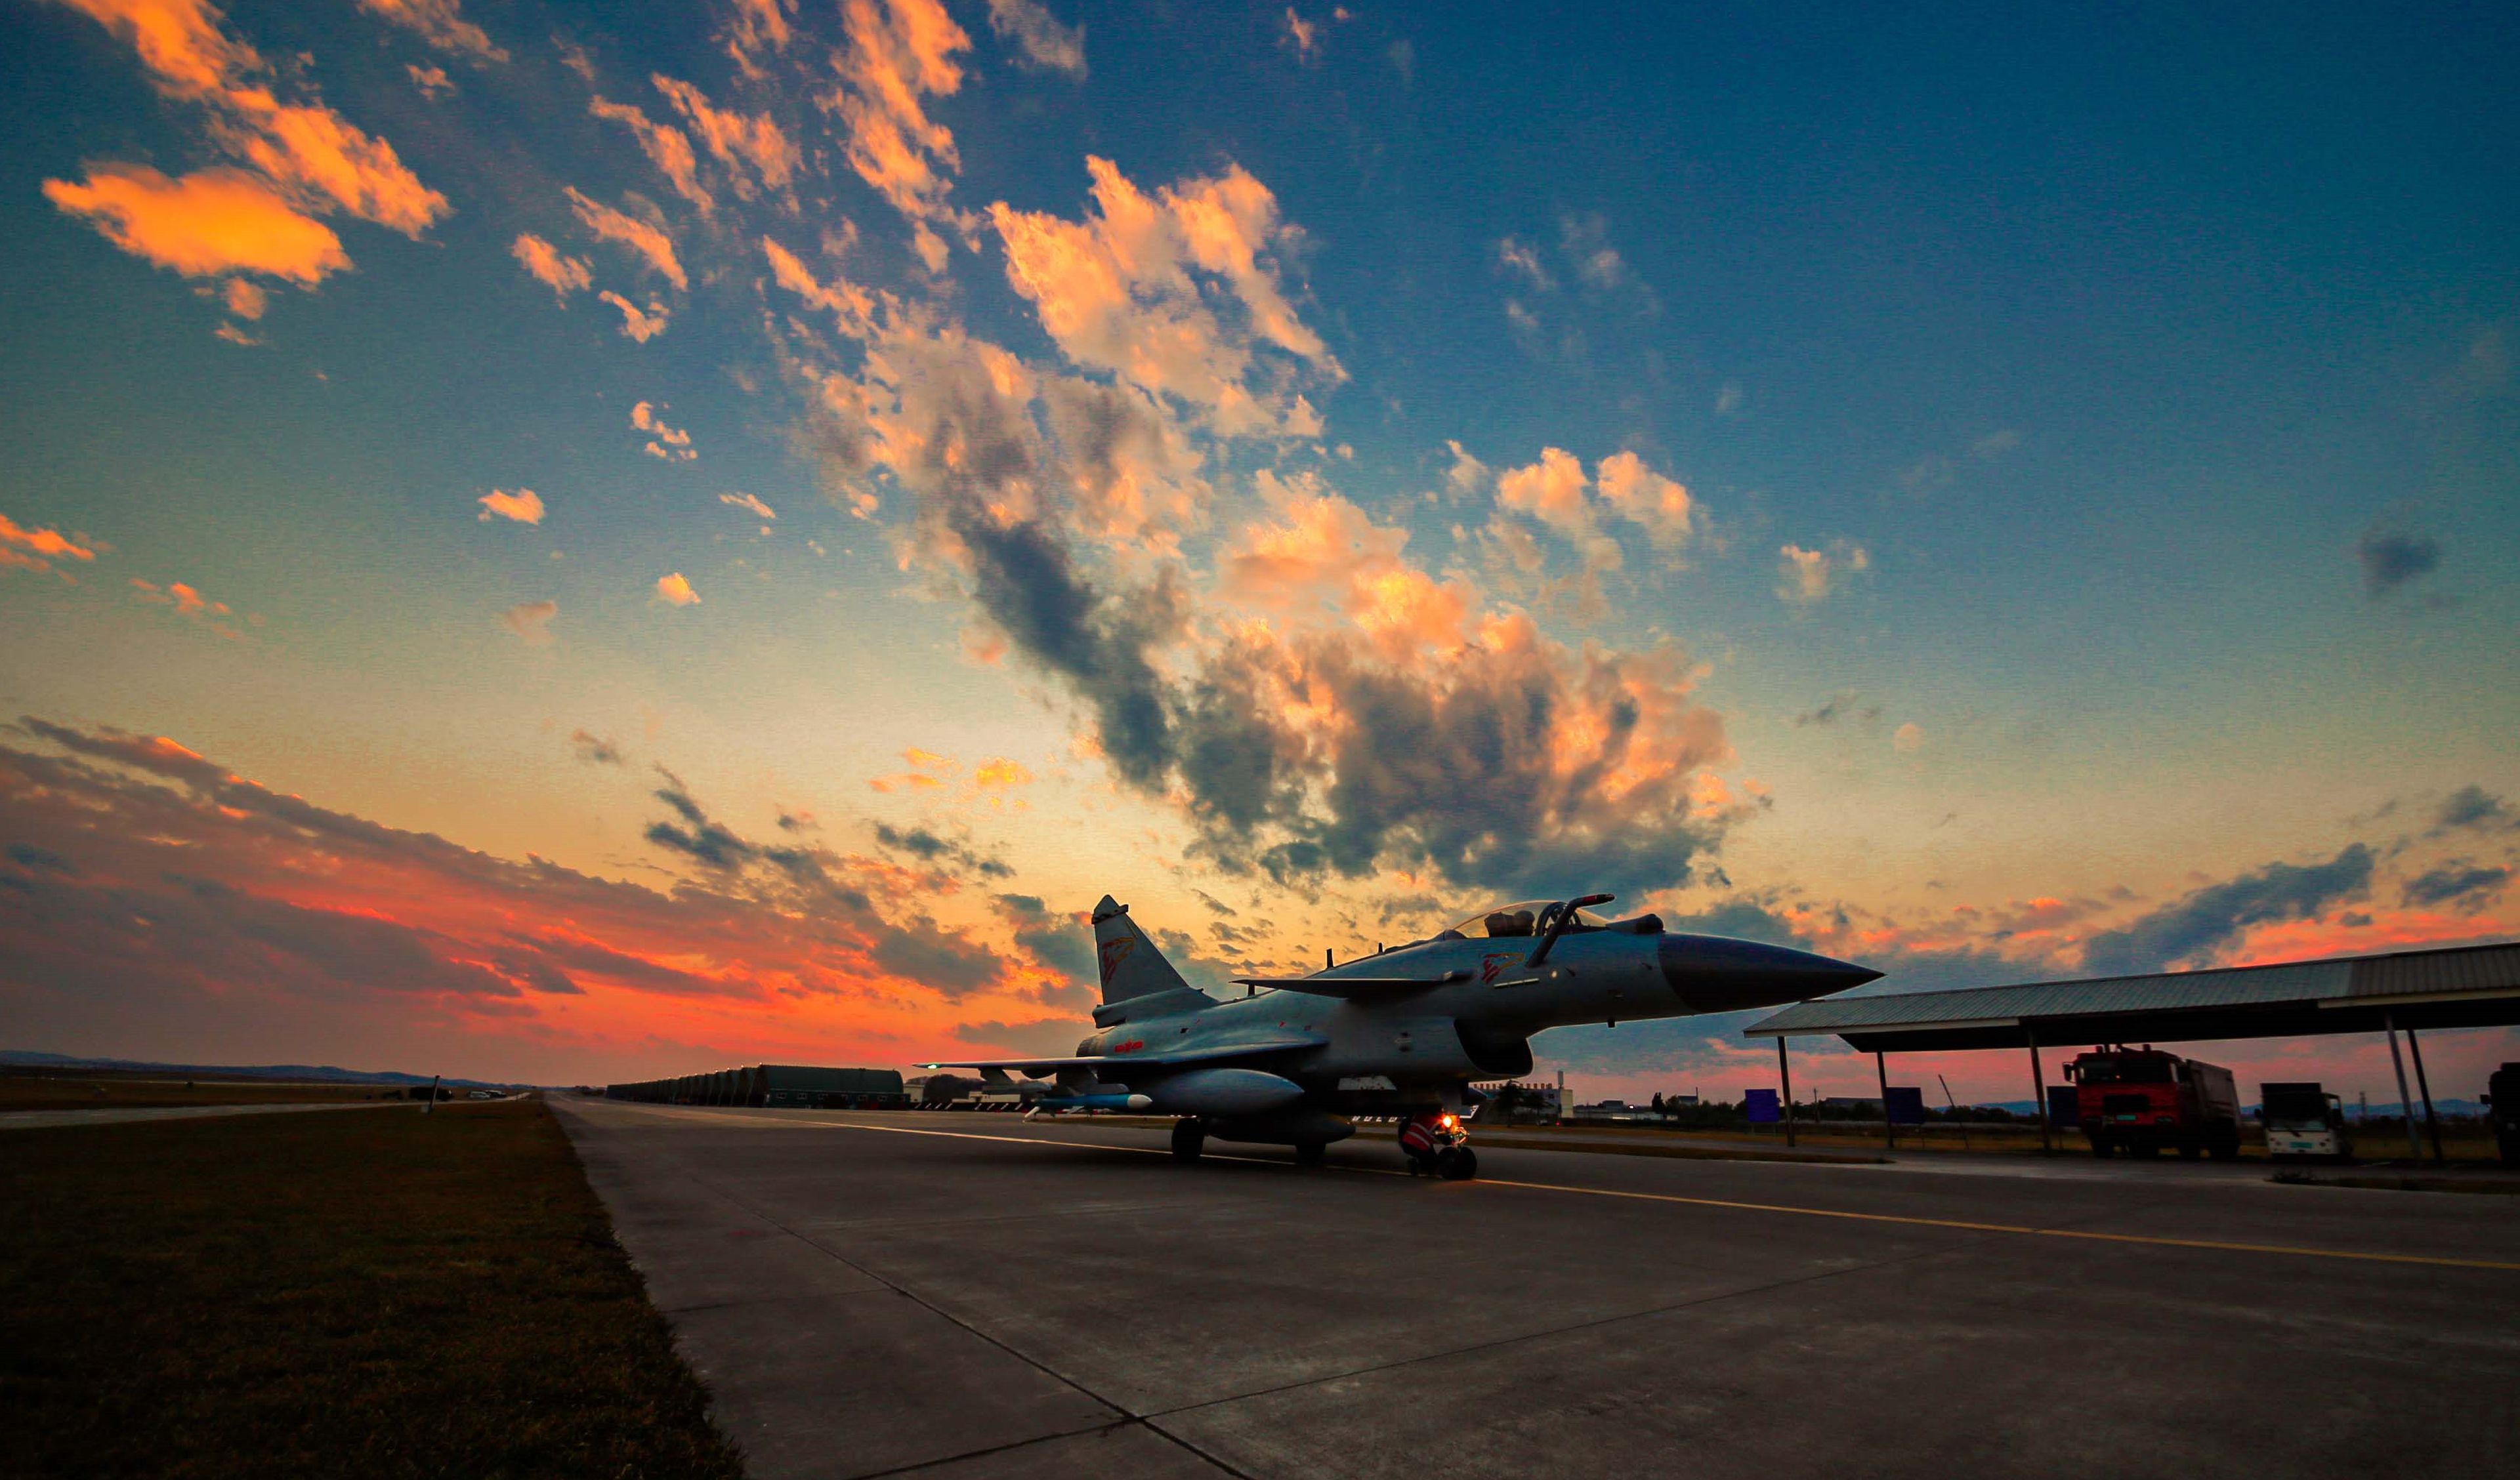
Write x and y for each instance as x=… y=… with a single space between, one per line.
x=1132 y=966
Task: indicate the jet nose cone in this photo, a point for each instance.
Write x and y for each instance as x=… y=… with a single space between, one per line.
x=1715 y=973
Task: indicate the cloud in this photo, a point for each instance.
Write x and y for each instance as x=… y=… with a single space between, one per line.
x=244 y=299
x=433 y=81
x=897 y=52
x=1134 y=289
x=1908 y=739
x=1585 y=238
x=310 y=160
x=740 y=142
x=1519 y=258
x=670 y=443
x=524 y=506
x=645 y=239
x=530 y=620
x=146 y=887
x=187 y=601
x=999 y=774
x=440 y=23
x=1303 y=36
x=2465 y=886
x=2472 y=806
x=1655 y=504
x=25 y=548
x=2393 y=558
x=754 y=28
x=640 y=324
x=1808 y=577
x=928 y=848
x=1039 y=37
x=666 y=147
x=674 y=591
x=595 y=750
x=2195 y=927
x=562 y=275
x=748 y=503
x=212 y=221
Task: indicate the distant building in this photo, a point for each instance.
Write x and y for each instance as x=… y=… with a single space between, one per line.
x=789 y=1086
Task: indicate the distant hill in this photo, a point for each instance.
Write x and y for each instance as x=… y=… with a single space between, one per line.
x=320 y=1073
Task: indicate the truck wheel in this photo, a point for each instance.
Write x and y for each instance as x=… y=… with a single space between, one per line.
x=2144 y=1148
x=1459 y=1164
x=2101 y=1147
x=2226 y=1144
x=2189 y=1149
x=2509 y=1145
x=1312 y=1154
x=1190 y=1137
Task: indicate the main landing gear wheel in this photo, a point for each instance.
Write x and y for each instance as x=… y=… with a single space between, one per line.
x=1459 y=1164
x=1190 y=1137
x=1312 y=1154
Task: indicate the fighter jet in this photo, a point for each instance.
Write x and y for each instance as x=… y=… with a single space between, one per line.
x=1400 y=1033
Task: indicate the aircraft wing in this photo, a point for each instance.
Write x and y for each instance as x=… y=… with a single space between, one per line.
x=1353 y=986
x=1177 y=1059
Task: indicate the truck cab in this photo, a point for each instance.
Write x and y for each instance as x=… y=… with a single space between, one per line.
x=2145 y=1100
x=2303 y=1121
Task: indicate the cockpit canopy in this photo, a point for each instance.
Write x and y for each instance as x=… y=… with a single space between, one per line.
x=1527 y=917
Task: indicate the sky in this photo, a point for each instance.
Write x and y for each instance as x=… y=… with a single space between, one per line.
x=575 y=543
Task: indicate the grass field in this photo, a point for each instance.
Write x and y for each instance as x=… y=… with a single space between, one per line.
x=389 y=1295
x=99 y=1092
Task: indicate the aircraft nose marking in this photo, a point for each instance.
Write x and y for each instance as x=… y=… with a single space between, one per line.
x=1715 y=973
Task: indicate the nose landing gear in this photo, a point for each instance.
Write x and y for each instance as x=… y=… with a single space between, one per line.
x=1437 y=1146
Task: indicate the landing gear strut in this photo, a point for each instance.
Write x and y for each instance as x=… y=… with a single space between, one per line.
x=1190 y=1137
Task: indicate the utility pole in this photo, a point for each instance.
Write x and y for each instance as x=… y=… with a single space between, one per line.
x=1889 y=1132
x=430 y=1108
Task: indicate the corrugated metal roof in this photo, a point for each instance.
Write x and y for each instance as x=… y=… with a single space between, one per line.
x=2466 y=969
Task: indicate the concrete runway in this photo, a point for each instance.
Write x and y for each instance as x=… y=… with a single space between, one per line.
x=970 y=1296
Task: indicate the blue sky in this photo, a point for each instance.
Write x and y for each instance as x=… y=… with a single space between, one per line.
x=2097 y=430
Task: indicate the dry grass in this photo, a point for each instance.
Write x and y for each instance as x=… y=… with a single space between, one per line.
x=392 y=1295
x=102 y=1092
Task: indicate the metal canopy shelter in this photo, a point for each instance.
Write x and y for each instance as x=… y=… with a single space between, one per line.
x=2462 y=987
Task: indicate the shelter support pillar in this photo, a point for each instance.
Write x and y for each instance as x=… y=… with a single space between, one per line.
x=1881 y=1070
x=2038 y=1087
x=2432 y=1123
x=2406 y=1102
x=1785 y=1078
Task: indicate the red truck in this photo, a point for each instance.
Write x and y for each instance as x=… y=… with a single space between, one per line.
x=2146 y=1098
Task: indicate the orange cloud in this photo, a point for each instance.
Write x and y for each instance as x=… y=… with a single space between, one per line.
x=748 y=503
x=645 y=240
x=755 y=26
x=561 y=275
x=999 y=774
x=853 y=306
x=675 y=591
x=898 y=51
x=209 y=222
x=1116 y=292
x=1658 y=505
x=740 y=142
x=25 y=548
x=187 y=603
x=244 y=299
x=308 y=151
x=433 y=81
x=524 y=506
x=671 y=443
x=640 y=324
x=179 y=41
x=440 y=23
x=667 y=147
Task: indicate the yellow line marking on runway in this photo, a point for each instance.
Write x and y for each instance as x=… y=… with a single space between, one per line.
x=2155 y=1240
